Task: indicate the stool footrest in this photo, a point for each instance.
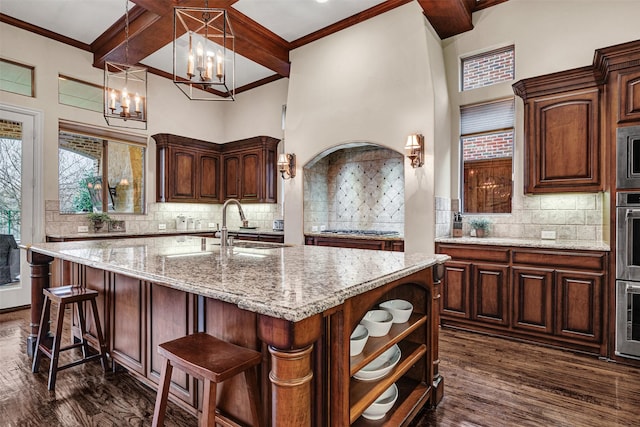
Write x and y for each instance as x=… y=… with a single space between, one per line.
x=79 y=362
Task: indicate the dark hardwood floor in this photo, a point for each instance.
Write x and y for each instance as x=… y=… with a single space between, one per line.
x=488 y=382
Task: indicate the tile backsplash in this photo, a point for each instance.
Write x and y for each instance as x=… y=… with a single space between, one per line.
x=355 y=188
x=260 y=215
x=573 y=216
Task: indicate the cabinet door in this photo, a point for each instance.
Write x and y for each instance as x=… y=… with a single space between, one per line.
x=231 y=177
x=251 y=176
x=455 y=290
x=182 y=175
x=533 y=299
x=629 y=99
x=563 y=143
x=209 y=178
x=128 y=323
x=97 y=280
x=578 y=305
x=491 y=293
x=170 y=316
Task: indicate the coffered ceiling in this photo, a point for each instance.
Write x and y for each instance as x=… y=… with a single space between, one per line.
x=265 y=30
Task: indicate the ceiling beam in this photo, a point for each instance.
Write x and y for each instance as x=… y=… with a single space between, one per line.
x=151 y=29
x=448 y=18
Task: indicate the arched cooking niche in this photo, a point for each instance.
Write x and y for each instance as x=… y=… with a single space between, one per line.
x=355 y=188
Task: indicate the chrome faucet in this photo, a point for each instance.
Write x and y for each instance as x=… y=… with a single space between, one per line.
x=224 y=235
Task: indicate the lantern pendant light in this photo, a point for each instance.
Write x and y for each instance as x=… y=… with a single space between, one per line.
x=204 y=53
x=125 y=90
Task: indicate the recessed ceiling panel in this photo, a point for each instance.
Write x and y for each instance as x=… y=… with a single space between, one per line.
x=82 y=20
x=293 y=19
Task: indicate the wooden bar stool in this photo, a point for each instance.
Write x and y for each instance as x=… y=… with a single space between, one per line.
x=213 y=361
x=51 y=346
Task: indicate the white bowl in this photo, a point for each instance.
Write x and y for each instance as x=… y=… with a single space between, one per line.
x=383 y=403
x=380 y=366
x=377 y=322
x=359 y=338
x=399 y=308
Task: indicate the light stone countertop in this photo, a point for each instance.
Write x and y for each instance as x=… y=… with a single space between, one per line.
x=108 y=234
x=284 y=281
x=584 y=245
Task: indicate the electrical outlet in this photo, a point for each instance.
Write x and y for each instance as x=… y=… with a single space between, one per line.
x=322 y=228
x=212 y=225
x=83 y=229
x=548 y=235
x=314 y=228
x=162 y=226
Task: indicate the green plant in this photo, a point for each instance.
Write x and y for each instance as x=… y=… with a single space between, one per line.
x=480 y=224
x=98 y=217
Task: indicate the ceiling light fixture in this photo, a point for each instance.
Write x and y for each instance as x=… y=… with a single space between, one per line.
x=204 y=53
x=125 y=89
x=415 y=149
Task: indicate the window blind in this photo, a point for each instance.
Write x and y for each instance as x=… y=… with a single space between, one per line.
x=486 y=117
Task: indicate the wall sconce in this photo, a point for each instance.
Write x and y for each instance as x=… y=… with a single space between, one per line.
x=287 y=165
x=415 y=149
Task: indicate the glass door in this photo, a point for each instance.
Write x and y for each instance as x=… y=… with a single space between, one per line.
x=19 y=183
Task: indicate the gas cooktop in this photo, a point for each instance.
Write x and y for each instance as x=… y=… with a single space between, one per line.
x=362 y=232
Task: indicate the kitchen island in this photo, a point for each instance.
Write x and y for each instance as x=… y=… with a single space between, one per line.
x=296 y=304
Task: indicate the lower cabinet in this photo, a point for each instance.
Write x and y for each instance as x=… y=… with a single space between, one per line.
x=128 y=323
x=544 y=295
x=396 y=245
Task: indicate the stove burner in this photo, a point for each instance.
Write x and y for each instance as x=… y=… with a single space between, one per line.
x=362 y=232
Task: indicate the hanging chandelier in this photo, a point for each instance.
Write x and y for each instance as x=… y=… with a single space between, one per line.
x=125 y=90
x=204 y=53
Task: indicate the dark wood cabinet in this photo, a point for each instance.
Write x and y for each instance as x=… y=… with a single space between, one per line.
x=396 y=245
x=552 y=296
x=491 y=293
x=562 y=132
x=533 y=299
x=250 y=169
x=194 y=171
x=128 y=323
x=628 y=83
x=170 y=315
x=456 y=289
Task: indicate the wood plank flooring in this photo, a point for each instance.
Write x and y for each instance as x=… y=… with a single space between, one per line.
x=488 y=382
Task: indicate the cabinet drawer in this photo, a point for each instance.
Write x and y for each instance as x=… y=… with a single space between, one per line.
x=475 y=253
x=561 y=259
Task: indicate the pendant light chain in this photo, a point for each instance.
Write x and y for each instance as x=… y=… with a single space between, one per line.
x=126 y=31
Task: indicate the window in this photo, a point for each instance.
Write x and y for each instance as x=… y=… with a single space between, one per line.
x=488 y=68
x=487 y=152
x=77 y=93
x=100 y=170
x=16 y=78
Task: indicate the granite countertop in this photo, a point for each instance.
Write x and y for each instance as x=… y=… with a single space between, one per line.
x=585 y=245
x=107 y=234
x=285 y=281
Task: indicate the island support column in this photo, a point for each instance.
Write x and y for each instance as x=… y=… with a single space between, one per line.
x=291 y=347
x=40 y=279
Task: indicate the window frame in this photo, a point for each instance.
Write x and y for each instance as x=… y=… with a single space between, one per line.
x=108 y=135
x=33 y=77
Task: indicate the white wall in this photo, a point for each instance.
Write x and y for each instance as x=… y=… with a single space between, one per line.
x=549 y=36
x=368 y=83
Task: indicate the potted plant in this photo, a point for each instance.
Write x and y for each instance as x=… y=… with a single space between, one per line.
x=481 y=225
x=98 y=219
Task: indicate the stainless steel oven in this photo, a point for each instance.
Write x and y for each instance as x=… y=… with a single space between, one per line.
x=628 y=236
x=628 y=274
x=628 y=158
x=628 y=319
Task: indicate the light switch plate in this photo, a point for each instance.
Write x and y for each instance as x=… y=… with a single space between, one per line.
x=548 y=235
x=162 y=226
x=212 y=225
x=314 y=228
x=83 y=229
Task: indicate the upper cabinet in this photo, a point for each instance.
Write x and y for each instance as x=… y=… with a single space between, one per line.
x=249 y=169
x=194 y=171
x=562 y=132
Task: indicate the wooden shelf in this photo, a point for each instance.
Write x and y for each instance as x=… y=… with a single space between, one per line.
x=377 y=345
x=364 y=393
